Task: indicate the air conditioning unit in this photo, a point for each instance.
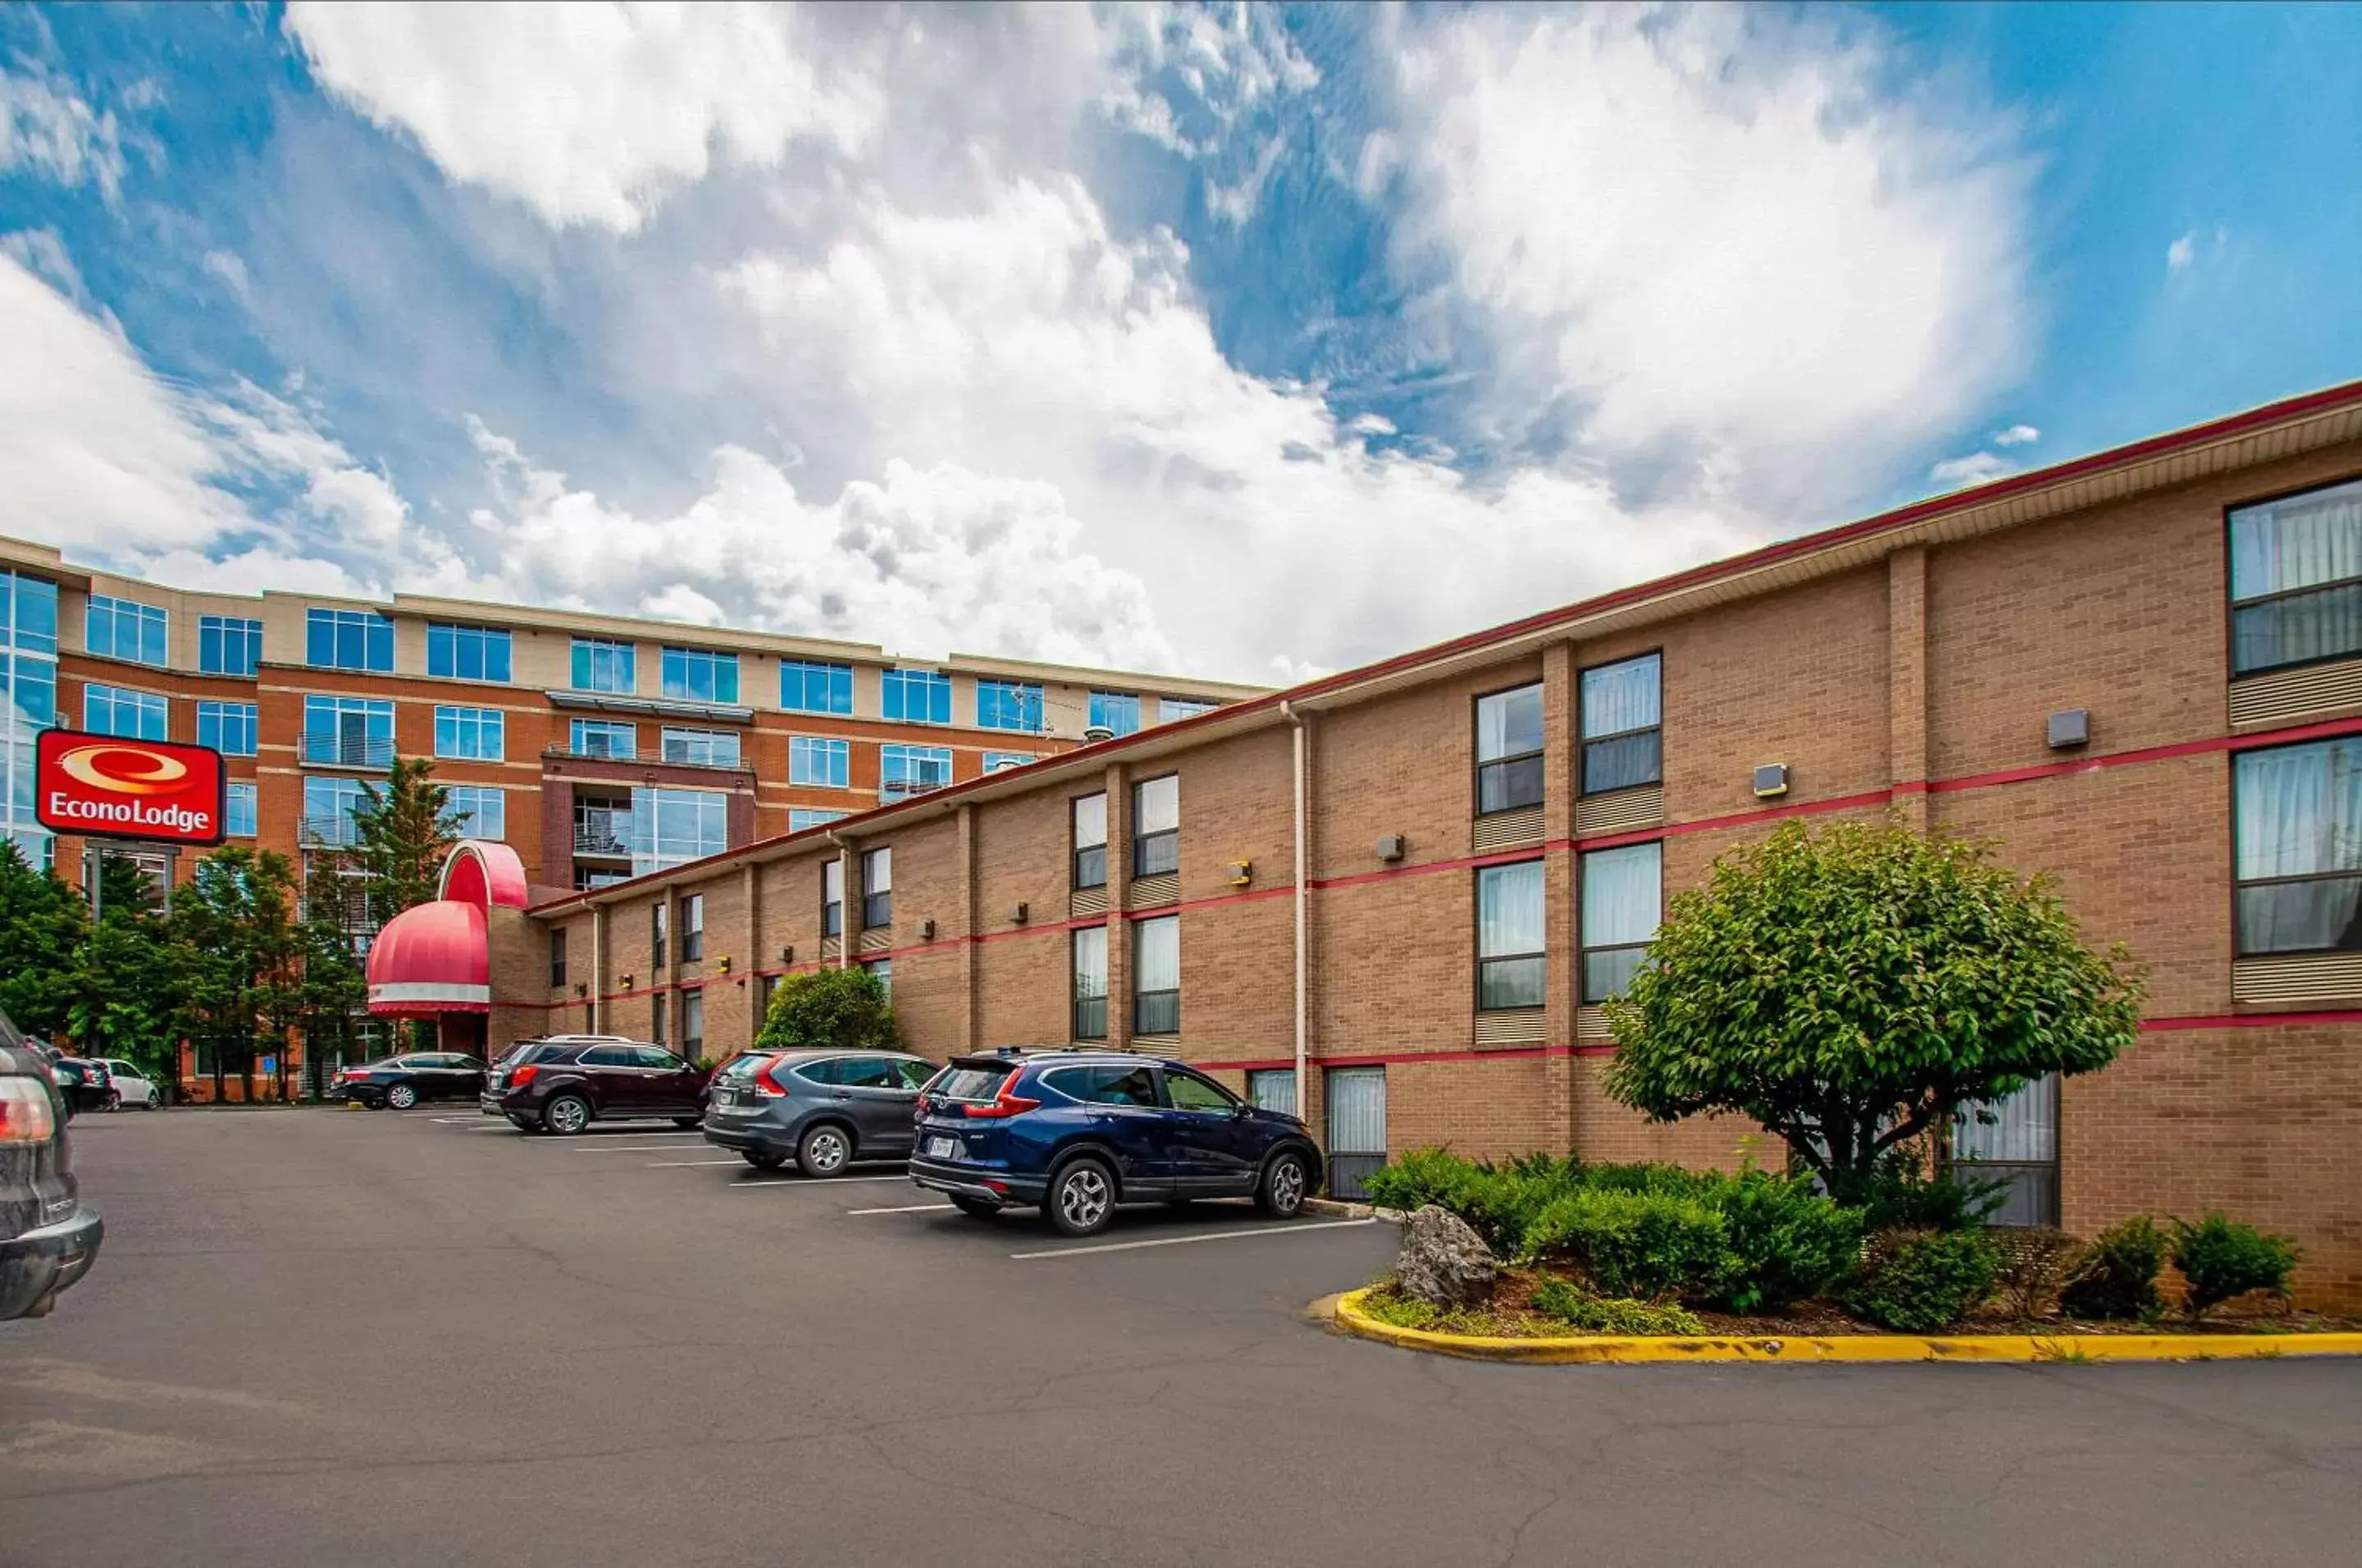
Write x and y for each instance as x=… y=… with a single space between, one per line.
x=1391 y=848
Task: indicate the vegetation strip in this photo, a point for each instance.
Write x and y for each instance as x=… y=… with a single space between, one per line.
x=1632 y=1350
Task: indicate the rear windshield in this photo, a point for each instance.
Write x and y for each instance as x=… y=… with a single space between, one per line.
x=525 y=1051
x=745 y=1066
x=962 y=1081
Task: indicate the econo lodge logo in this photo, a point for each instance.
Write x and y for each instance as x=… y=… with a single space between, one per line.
x=119 y=788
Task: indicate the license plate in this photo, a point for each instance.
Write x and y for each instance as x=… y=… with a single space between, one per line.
x=942 y=1148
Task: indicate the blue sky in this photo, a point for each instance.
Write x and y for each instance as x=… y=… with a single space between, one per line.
x=1250 y=342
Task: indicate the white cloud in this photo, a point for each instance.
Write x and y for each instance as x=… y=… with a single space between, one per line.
x=46 y=129
x=2178 y=255
x=2194 y=247
x=589 y=114
x=2016 y=435
x=1976 y=468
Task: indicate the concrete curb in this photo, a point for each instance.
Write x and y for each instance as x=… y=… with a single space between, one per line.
x=1634 y=1349
x=1350 y=1210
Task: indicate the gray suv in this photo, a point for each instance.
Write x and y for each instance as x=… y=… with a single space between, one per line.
x=822 y=1108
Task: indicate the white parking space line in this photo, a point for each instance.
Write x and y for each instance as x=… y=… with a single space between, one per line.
x=618 y=1148
x=1290 y=1228
x=684 y=1164
x=812 y=1184
x=907 y=1209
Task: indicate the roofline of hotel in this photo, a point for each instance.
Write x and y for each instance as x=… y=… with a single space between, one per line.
x=2303 y=423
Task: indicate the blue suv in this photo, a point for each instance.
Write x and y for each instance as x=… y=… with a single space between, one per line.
x=1079 y=1131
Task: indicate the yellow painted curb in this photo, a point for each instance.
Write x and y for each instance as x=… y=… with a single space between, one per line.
x=1639 y=1350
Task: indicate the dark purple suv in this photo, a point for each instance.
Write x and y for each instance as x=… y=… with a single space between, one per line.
x=563 y=1083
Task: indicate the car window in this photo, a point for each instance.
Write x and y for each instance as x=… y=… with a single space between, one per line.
x=829 y=1070
x=469 y=1063
x=430 y=1063
x=661 y=1060
x=871 y=1072
x=965 y=1082
x=915 y=1074
x=744 y=1065
x=1187 y=1092
x=1118 y=1085
x=610 y=1057
x=535 y=1051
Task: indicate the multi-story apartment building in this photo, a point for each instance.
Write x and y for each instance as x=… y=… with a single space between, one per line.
x=598 y=746
x=1398 y=896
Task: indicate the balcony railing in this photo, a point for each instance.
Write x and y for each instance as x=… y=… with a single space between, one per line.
x=603 y=832
x=894 y=789
x=327 y=833
x=349 y=751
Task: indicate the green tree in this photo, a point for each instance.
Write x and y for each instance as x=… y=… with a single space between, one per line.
x=41 y=927
x=402 y=832
x=833 y=1009
x=235 y=925
x=128 y=975
x=330 y=989
x=1850 y=990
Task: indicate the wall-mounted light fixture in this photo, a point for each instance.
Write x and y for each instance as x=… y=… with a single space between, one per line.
x=627 y=979
x=1391 y=848
x=926 y=931
x=1771 y=780
x=582 y=988
x=2070 y=729
x=1019 y=912
x=788 y=953
x=721 y=965
x=1241 y=873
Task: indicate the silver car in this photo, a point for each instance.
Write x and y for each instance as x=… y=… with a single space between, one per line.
x=822 y=1108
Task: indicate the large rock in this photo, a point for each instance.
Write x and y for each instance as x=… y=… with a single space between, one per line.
x=1444 y=1260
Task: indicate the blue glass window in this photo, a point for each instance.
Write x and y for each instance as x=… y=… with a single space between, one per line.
x=905 y=770
x=348 y=639
x=669 y=826
x=482 y=811
x=918 y=696
x=604 y=664
x=227 y=727
x=242 y=814
x=695 y=675
x=708 y=748
x=805 y=686
x=122 y=628
x=1171 y=708
x=229 y=645
x=1115 y=711
x=803 y=817
x=349 y=731
x=466 y=653
x=1008 y=705
x=329 y=807
x=133 y=715
x=604 y=737
x=475 y=735
x=817 y=761
x=28 y=613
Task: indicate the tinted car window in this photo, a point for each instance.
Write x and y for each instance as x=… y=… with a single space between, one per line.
x=1187 y=1092
x=542 y=1050
x=610 y=1057
x=916 y=1073
x=831 y=1070
x=972 y=1082
x=871 y=1072
x=663 y=1061
x=744 y=1066
x=1117 y=1085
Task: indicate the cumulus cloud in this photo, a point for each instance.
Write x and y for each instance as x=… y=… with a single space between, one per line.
x=1976 y=468
x=2016 y=435
x=2180 y=254
x=50 y=130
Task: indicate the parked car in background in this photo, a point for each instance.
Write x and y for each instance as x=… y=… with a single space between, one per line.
x=133 y=1089
x=400 y=1082
x=84 y=1083
x=563 y=1083
x=822 y=1108
x=49 y=1237
x=1081 y=1131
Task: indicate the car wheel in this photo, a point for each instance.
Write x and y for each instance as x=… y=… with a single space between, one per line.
x=525 y=1124
x=823 y=1151
x=976 y=1207
x=1285 y=1185
x=566 y=1115
x=762 y=1162
x=114 y=1100
x=402 y=1097
x=1082 y=1198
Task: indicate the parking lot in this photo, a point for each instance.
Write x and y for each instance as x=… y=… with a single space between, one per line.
x=319 y=1336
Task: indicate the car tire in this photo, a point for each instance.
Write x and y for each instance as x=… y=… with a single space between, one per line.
x=1286 y=1183
x=762 y=1162
x=402 y=1097
x=1081 y=1200
x=566 y=1115
x=824 y=1150
x=976 y=1207
x=114 y=1100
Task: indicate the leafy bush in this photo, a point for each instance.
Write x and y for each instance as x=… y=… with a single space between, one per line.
x=2035 y=1264
x=1650 y=1245
x=838 y=1009
x=1420 y=1178
x=1787 y=1242
x=1400 y=1311
x=1606 y=1315
x=1905 y=1196
x=2116 y=1276
x=1500 y=1202
x=2221 y=1258
x=1918 y=1281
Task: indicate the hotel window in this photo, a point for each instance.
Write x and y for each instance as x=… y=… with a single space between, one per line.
x=2015 y=1141
x=808 y=687
x=483 y=811
x=349 y=731
x=1090 y=991
x=1157 y=976
x=2297 y=824
x=2296 y=580
x=1008 y=705
x=227 y=727
x=604 y=738
x=1090 y=841
x=243 y=815
x=1509 y=922
x=818 y=762
x=906 y=770
x=801 y=818
x=348 y=639
x=692 y=1024
x=328 y=807
x=831 y=897
x=659 y=949
x=1620 y=718
x=603 y=664
x=656 y=1019
x=917 y=696
x=671 y=826
x=1357 y=1126
x=466 y=653
x=876 y=888
x=1622 y=895
x=229 y=645
x=1509 y=750
x=1171 y=708
x=1115 y=713
x=556 y=959
x=29 y=703
x=472 y=735
x=707 y=748
x=1272 y=1089
x=692 y=929
x=695 y=675
x=1156 y=826
x=882 y=969
x=121 y=628
x=132 y=715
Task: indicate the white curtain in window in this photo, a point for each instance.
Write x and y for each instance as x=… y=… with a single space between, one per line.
x=2298 y=542
x=1091 y=962
x=1158 y=802
x=1156 y=955
x=1090 y=821
x=1357 y=1110
x=2025 y=1126
x=1272 y=1089
x=1622 y=894
x=2300 y=813
x=1510 y=724
x=1509 y=910
x=1619 y=696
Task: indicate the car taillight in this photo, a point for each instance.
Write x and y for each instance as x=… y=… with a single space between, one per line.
x=1002 y=1104
x=925 y=1105
x=768 y=1087
x=26 y=1116
x=519 y=1076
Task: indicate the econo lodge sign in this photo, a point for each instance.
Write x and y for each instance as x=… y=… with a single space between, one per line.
x=97 y=786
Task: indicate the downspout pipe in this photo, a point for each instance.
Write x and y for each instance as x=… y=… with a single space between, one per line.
x=1303 y=998
x=845 y=900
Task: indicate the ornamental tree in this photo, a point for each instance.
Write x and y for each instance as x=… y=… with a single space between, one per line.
x=838 y=1009
x=1850 y=990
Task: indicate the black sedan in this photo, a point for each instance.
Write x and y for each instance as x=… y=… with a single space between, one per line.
x=400 y=1082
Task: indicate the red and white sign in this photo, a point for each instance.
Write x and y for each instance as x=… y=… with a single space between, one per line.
x=100 y=787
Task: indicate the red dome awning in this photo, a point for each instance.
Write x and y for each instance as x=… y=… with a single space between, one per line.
x=429 y=959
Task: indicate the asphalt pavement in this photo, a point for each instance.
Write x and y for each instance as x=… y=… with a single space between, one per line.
x=322 y=1337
